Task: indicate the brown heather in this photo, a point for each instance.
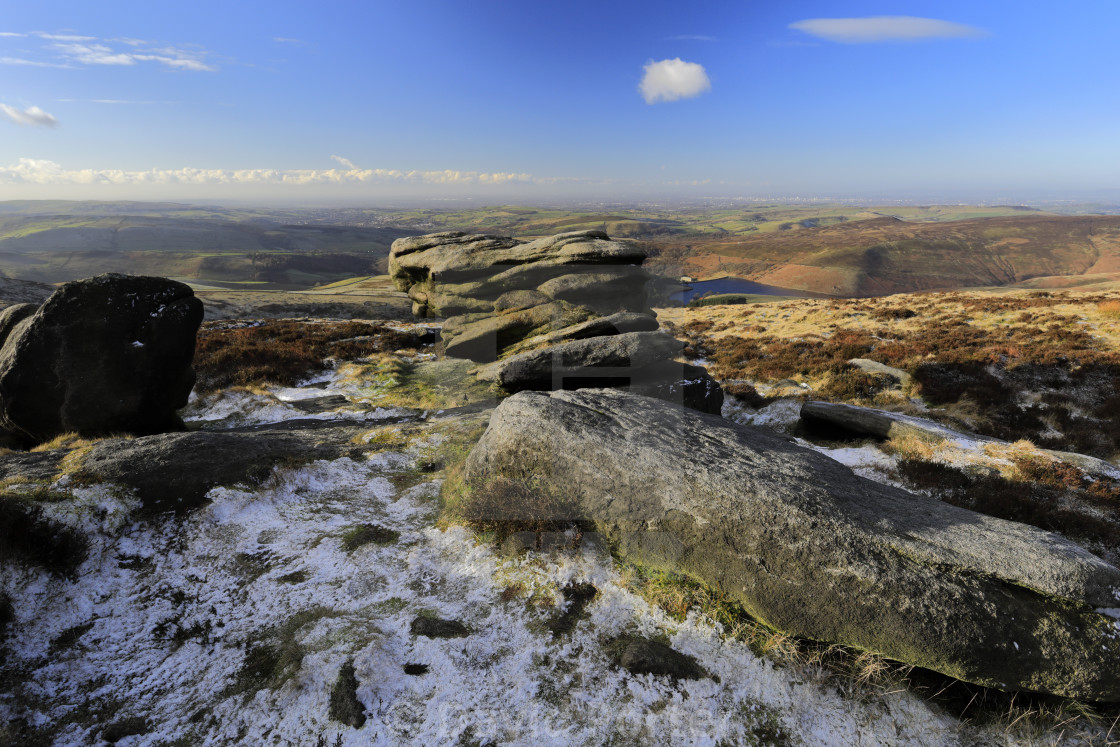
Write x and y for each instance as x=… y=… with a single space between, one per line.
x=285 y=351
x=1041 y=365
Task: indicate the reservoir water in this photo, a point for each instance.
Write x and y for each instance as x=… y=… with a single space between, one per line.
x=735 y=285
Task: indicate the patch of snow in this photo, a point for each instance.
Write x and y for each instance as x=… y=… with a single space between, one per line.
x=296 y=394
x=239 y=408
x=780 y=415
x=866 y=461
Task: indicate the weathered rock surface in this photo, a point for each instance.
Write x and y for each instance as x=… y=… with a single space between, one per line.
x=614 y=324
x=12 y=316
x=639 y=362
x=562 y=312
x=814 y=550
x=107 y=354
x=613 y=355
x=175 y=471
x=452 y=273
x=483 y=337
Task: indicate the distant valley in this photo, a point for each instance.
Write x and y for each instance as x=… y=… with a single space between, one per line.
x=831 y=249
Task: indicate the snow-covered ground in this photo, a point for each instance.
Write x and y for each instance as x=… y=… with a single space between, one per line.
x=167 y=616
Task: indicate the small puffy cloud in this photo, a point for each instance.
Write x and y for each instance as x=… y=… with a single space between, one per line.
x=345 y=162
x=34 y=116
x=884 y=29
x=670 y=80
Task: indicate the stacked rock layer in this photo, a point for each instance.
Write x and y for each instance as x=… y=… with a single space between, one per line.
x=562 y=312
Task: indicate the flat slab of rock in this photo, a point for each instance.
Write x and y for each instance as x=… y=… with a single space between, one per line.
x=814 y=550
x=175 y=471
x=868 y=421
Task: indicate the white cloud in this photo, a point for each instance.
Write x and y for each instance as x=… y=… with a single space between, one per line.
x=29 y=63
x=73 y=50
x=94 y=54
x=884 y=29
x=34 y=116
x=65 y=37
x=345 y=162
x=101 y=54
x=670 y=80
x=37 y=171
x=181 y=63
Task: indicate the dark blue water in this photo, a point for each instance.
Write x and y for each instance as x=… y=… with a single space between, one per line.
x=734 y=285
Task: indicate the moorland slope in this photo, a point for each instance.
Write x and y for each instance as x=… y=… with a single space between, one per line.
x=887 y=255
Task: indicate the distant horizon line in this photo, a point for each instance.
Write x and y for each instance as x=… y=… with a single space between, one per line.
x=1103 y=197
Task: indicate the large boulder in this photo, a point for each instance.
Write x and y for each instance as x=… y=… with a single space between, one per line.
x=108 y=354
x=814 y=550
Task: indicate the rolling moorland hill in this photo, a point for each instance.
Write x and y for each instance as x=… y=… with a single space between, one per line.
x=827 y=248
x=887 y=255
x=58 y=241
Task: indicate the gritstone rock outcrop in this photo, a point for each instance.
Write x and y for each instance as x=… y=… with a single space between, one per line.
x=108 y=354
x=814 y=550
x=563 y=312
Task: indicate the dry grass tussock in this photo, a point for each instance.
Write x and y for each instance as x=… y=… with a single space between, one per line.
x=72 y=441
x=501 y=506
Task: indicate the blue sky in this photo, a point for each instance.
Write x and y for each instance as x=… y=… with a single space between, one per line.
x=379 y=102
